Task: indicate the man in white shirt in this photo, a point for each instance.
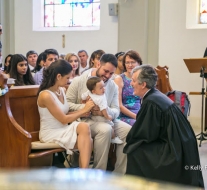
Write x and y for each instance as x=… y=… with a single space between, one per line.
x=49 y=56
x=32 y=59
x=83 y=55
x=101 y=131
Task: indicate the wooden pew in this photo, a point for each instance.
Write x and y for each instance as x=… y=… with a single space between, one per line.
x=19 y=127
x=163 y=82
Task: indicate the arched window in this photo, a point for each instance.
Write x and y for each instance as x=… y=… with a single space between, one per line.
x=203 y=11
x=70 y=13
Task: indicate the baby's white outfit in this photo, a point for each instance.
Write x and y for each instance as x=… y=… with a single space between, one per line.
x=99 y=100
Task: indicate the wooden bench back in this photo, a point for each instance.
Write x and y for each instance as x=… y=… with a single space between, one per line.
x=163 y=83
x=23 y=104
x=19 y=126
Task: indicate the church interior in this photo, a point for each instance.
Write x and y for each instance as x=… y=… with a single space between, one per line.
x=164 y=32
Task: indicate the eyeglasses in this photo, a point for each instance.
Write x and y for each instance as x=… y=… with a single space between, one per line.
x=132 y=63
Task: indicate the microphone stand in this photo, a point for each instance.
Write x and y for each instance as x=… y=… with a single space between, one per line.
x=202 y=135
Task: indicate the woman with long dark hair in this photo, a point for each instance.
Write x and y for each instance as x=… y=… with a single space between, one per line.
x=94 y=61
x=7 y=63
x=20 y=70
x=57 y=124
x=39 y=63
x=120 y=67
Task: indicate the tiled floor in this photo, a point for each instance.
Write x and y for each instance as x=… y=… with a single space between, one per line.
x=203 y=155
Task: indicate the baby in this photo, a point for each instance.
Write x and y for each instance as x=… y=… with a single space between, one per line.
x=96 y=91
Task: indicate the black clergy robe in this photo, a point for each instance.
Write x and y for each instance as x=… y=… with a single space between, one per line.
x=161 y=144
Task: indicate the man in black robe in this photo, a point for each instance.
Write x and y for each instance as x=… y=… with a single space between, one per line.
x=161 y=144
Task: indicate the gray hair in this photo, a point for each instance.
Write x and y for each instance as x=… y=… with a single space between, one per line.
x=147 y=74
x=82 y=50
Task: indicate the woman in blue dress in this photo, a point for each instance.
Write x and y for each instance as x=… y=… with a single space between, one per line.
x=129 y=103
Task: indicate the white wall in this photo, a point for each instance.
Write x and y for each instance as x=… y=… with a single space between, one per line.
x=26 y=39
x=8 y=21
x=133 y=23
x=139 y=28
x=176 y=43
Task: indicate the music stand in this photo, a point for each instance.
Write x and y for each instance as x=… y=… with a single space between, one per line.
x=198 y=65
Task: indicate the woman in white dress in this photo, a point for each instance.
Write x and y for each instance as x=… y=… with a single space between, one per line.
x=56 y=123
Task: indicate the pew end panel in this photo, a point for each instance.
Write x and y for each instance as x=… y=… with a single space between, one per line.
x=14 y=139
x=20 y=125
x=163 y=82
x=23 y=104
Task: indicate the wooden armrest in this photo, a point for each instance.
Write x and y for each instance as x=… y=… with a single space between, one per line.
x=23 y=132
x=40 y=153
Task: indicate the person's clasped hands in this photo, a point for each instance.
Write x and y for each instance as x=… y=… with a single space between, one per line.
x=88 y=107
x=95 y=111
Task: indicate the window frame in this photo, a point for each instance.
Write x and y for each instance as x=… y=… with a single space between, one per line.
x=38 y=22
x=193 y=16
x=201 y=12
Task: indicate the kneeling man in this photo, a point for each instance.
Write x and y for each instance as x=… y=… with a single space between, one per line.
x=161 y=144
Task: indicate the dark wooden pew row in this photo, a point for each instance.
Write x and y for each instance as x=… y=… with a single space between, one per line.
x=19 y=127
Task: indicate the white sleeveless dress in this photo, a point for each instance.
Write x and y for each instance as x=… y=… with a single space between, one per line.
x=51 y=130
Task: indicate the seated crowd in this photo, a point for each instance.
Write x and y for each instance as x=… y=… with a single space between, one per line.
x=102 y=105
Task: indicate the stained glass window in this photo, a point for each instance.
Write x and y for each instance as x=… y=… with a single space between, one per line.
x=70 y=13
x=203 y=11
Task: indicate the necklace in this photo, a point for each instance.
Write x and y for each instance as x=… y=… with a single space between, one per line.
x=58 y=93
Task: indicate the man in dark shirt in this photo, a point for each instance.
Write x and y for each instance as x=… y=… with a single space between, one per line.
x=161 y=144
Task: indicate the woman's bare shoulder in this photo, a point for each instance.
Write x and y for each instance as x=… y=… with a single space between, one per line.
x=45 y=96
x=118 y=80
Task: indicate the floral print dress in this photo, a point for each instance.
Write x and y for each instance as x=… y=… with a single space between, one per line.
x=129 y=100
